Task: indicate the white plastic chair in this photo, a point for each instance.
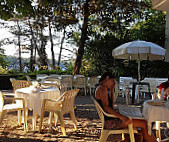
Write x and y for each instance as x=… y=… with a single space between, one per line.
x=118 y=91
x=79 y=82
x=123 y=83
x=4 y=109
x=17 y=84
x=106 y=132
x=56 y=76
x=68 y=81
x=91 y=82
x=61 y=106
x=41 y=77
x=144 y=88
x=52 y=81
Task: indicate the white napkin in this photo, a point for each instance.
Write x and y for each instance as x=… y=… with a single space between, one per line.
x=33 y=89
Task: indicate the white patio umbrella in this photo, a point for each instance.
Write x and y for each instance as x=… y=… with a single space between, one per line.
x=161 y=4
x=139 y=50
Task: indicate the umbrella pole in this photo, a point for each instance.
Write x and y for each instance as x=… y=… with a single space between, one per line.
x=138 y=70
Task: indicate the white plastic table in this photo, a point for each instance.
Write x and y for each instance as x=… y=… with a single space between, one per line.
x=155 y=111
x=34 y=98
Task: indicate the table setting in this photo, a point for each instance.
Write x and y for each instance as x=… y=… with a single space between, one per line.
x=34 y=96
x=156 y=110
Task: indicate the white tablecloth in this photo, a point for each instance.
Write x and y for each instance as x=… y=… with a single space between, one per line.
x=34 y=98
x=155 y=112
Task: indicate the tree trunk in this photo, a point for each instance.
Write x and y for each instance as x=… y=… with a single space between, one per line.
x=32 y=60
x=61 y=47
x=19 y=44
x=167 y=38
x=51 y=41
x=41 y=50
x=82 y=39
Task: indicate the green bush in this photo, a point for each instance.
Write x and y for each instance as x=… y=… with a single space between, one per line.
x=13 y=71
x=3 y=71
x=21 y=78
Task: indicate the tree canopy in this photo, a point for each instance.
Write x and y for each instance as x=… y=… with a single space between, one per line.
x=96 y=27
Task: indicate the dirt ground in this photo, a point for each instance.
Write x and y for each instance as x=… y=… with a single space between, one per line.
x=89 y=126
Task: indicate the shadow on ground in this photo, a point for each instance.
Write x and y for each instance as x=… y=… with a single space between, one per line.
x=89 y=126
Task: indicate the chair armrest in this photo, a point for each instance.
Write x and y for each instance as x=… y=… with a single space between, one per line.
x=15 y=99
x=7 y=98
x=109 y=115
x=52 y=100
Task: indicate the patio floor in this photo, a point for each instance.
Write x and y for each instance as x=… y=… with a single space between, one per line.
x=89 y=126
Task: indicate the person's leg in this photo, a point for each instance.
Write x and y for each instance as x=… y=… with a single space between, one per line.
x=140 y=123
x=143 y=125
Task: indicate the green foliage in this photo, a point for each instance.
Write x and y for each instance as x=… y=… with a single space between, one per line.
x=110 y=24
x=98 y=54
x=68 y=68
x=3 y=63
x=21 y=78
x=13 y=71
x=150 y=28
x=19 y=8
x=3 y=71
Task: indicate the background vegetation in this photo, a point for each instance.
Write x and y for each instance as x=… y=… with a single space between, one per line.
x=96 y=27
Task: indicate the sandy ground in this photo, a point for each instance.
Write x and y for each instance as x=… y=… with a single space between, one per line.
x=89 y=126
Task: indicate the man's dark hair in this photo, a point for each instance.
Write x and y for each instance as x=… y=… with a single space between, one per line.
x=103 y=77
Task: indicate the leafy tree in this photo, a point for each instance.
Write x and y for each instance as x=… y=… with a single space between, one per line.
x=150 y=28
x=3 y=63
x=109 y=16
x=17 y=10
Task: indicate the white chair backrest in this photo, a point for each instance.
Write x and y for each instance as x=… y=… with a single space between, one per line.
x=67 y=75
x=97 y=79
x=53 y=80
x=77 y=76
x=67 y=80
x=17 y=84
x=99 y=111
x=80 y=81
x=56 y=76
x=67 y=99
x=92 y=81
x=41 y=76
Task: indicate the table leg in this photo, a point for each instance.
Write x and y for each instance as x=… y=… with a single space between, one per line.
x=34 y=120
x=138 y=93
x=149 y=91
x=158 y=131
x=133 y=93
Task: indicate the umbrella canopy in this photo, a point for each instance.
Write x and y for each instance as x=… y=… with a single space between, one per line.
x=161 y=4
x=139 y=50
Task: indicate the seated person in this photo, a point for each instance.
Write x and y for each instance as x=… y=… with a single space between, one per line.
x=165 y=86
x=106 y=86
